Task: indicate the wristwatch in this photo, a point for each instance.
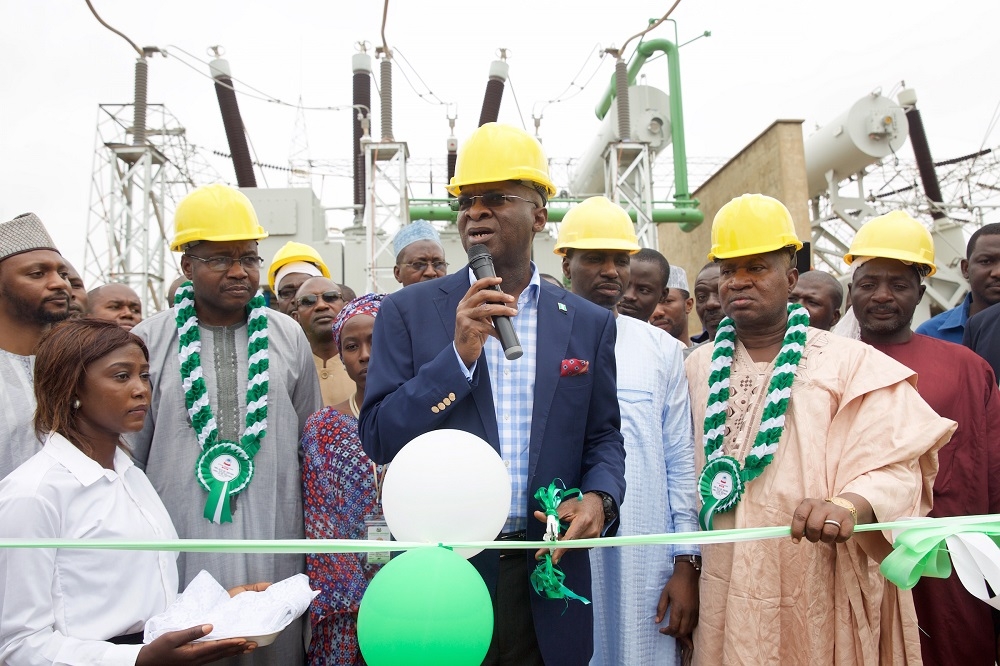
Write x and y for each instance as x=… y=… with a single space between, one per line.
x=693 y=560
x=846 y=504
x=610 y=512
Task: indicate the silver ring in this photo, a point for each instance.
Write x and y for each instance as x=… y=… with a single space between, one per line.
x=832 y=522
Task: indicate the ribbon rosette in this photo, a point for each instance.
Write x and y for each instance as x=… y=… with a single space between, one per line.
x=721 y=487
x=223 y=469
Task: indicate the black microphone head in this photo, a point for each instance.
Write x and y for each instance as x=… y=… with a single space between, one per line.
x=477 y=251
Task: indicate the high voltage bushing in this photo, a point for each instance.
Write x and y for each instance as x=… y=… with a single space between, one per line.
x=233 y=122
x=361 y=65
x=139 y=108
x=494 y=92
x=621 y=92
x=385 y=81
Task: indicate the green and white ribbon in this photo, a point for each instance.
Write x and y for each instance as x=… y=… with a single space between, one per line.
x=548 y=579
x=715 y=476
x=920 y=549
x=223 y=468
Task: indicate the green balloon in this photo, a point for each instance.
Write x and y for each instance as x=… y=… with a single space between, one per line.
x=426 y=606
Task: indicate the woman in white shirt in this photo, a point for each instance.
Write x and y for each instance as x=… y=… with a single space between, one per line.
x=79 y=607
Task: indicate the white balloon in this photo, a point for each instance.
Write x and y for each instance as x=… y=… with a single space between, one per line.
x=447 y=485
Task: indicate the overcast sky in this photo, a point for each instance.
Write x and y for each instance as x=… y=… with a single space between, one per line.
x=764 y=60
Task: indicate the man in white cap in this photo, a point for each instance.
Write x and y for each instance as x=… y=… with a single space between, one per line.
x=671 y=313
x=419 y=254
x=34 y=294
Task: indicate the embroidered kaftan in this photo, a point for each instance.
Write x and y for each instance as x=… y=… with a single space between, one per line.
x=271 y=507
x=659 y=473
x=17 y=411
x=855 y=424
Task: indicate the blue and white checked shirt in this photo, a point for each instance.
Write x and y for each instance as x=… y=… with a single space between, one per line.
x=513 y=385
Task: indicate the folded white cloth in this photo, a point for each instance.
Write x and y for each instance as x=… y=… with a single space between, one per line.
x=247 y=614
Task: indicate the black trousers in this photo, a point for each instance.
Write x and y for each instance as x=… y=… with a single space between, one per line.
x=514 y=642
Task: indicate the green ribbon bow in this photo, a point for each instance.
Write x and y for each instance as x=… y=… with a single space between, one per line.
x=923 y=551
x=547 y=578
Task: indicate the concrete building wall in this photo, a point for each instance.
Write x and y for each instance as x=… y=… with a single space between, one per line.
x=772 y=164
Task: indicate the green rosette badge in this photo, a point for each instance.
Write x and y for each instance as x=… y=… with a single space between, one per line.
x=223 y=469
x=721 y=488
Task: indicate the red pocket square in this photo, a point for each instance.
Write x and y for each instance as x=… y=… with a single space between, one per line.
x=571 y=367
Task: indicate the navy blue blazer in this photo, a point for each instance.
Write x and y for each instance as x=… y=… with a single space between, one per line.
x=575 y=422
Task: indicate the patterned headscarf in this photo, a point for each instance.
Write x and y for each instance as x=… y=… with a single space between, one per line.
x=368 y=304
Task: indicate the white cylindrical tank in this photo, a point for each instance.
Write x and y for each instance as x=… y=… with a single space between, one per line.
x=650 y=111
x=871 y=129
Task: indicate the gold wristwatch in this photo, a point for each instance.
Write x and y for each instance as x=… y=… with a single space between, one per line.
x=847 y=504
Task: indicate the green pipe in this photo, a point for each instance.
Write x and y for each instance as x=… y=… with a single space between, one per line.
x=642 y=54
x=688 y=217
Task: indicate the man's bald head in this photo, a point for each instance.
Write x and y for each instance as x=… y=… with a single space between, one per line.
x=822 y=295
x=116 y=303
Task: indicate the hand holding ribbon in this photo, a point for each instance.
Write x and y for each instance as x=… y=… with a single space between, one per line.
x=547 y=579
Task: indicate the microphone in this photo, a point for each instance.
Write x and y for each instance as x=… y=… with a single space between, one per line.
x=481 y=262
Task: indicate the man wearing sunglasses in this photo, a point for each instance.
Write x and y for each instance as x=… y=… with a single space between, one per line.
x=244 y=346
x=419 y=254
x=550 y=414
x=317 y=304
x=291 y=266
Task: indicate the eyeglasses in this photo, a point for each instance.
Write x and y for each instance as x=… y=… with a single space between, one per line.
x=421 y=266
x=288 y=293
x=309 y=300
x=251 y=262
x=491 y=200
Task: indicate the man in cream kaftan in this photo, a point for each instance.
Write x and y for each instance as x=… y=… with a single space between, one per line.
x=855 y=424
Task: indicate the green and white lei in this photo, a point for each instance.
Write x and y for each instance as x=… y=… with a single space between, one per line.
x=223 y=468
x=722 y=481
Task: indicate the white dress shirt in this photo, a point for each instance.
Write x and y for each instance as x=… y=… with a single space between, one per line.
x=59 y=606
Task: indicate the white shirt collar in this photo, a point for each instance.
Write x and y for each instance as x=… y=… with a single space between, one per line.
x=86 y=470
x=534 y=284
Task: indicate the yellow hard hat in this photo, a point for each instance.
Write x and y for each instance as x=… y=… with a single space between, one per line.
x=215 y=213
x=596 y=223
x=894 y=235
x=292 y=251
x=496 y=153
x=752 y=224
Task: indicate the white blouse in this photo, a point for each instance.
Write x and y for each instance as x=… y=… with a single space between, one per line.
x=59 y=606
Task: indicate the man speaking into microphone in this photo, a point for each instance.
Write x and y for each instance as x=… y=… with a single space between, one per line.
x=551 y=413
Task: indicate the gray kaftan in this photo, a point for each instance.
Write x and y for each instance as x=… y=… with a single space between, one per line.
x=271 y=507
